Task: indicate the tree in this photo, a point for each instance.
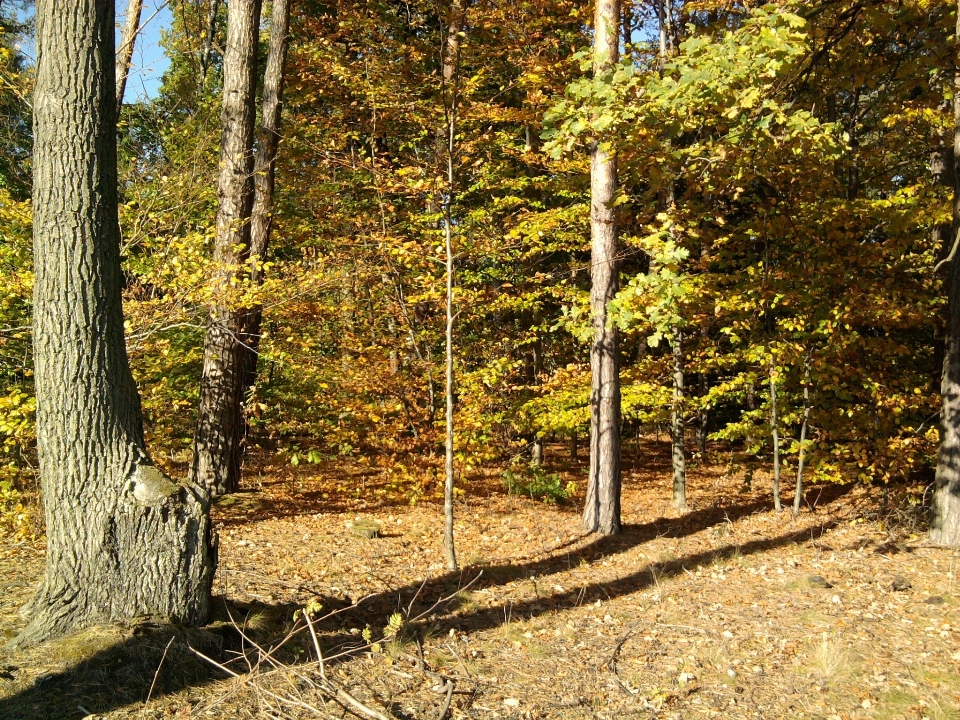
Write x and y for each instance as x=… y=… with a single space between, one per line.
x=945 y=516
x=131 y=28
x=123 y=540
x=602 y=509
x=219 y=435
x=451 y=81
x=264 y=177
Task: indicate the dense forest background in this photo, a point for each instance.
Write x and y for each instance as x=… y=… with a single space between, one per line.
x=785 y=175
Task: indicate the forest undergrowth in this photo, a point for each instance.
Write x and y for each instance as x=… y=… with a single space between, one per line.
x=728 y=610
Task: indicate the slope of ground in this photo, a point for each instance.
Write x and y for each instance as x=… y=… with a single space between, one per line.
x=729 y=610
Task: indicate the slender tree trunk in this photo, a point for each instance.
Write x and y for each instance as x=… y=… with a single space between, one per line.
x=131 y=27
x=602 y=510
x=945 y=515
x=750 y=440
x=703 y=424
x=451 y=67
x=264 y=177
x=801 y=453
x=574 y=446
x=217 y=443
x=536 y=367
x=776 y=437
x=207 y=57
x=123 y=540
x=677 y=426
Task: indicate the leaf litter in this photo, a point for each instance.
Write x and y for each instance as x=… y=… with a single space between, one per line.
x=727 y=610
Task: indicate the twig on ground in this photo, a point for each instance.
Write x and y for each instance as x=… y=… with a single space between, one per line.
x=160 y=665
x=446 y=599
x=316 y=643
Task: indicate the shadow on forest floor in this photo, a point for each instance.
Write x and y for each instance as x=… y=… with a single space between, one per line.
x=118 y=667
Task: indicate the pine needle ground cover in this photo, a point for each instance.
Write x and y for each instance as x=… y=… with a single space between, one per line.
x=729 y=610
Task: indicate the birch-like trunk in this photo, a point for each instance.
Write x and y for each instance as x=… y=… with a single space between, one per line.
x=802 y=451
x=451 y=67
x=775 y=432
x=945 y=515
x=131 y=27
x=678 y=450
x=218 y=439
x=602 y=510
x=123 y=540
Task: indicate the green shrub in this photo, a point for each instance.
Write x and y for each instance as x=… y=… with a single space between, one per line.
x=538 y=485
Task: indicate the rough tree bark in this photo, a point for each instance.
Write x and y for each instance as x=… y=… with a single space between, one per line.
x=945 y=515
x=217 y=443
x=678 y=450
x=131 y=27
x=123 y=540
x=602 y=510
x=451 y=67
x=264 y=178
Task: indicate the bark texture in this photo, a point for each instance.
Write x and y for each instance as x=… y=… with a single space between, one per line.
x=218 y=440
x=945 y=515
x=122 y=539
x=602 y=510
x=264 y=176
x=131 y=27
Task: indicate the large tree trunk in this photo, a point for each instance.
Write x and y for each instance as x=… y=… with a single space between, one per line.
x=217 y=443
x=131 y=27
x=122 y=539
x=945 y=516
x=264 y=176
x=602 y=510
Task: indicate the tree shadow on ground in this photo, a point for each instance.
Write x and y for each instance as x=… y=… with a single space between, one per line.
x=155 y=660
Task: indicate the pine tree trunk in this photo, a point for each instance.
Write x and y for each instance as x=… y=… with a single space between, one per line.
x=945 y=515
x=264 y=177
x=602 y=510
x=122 y=539
x=131 y=27
x=217 y=443
x=678 y=452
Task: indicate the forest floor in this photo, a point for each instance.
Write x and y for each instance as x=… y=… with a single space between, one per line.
x=729 y=610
